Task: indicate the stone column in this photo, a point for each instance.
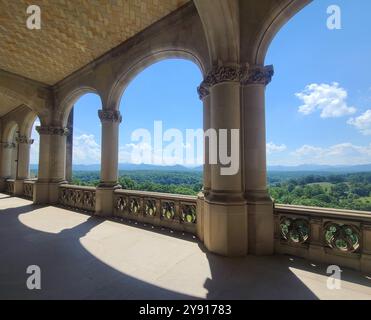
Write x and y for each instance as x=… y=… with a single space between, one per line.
x=225 y=211
x=6 y=158
x=111 y=120
x=52 y=165
x=69 y=148
x=23 y=163
x=260 y=206
x=204 y=95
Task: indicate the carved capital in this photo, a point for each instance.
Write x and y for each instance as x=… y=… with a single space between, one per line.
x=258 y=75
x=53 y=131
x=8 y=145
x=110 y=115
x=203 y=91
x=243 y=74
x=24 y=139
x=219 y=74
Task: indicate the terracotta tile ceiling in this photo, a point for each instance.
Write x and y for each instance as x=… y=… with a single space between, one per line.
x=73 y=33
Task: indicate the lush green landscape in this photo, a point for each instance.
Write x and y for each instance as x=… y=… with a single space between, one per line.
x=343 y=191
x=180 y=182
x=317 y=188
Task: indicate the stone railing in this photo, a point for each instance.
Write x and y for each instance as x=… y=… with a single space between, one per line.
x=77 y=197
x=9 y=186
x=330 y=236
x=176 y=212
x=28 y=187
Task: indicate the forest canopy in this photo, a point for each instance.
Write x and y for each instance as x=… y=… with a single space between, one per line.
x=318 y=189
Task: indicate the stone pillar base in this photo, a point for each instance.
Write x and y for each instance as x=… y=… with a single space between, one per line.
x=41 y=193
x=225 y=228
x=18 y=188
x=366 y=264
x=200 y=216
x=261 y=225
x=104 y=200
x=54 y=191
x=2 y=184
x=46 y=192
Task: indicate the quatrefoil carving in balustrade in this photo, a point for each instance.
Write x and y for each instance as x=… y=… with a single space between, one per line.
x=342 y=237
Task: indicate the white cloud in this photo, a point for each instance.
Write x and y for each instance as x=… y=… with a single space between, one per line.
x=273 y=148
x=362 y=123
x=329 y=98
x=86 y=150
x=339 y=154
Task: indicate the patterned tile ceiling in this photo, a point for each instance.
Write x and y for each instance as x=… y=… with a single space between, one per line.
x=73 y=33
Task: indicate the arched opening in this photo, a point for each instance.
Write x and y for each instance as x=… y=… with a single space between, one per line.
x=83 y=147
x=161 y=138
x=318 y=108
x=34 y=150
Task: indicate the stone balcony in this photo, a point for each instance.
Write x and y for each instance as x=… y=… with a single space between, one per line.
x=85 y=257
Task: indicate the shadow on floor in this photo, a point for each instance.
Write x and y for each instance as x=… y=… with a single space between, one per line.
x=69 y=271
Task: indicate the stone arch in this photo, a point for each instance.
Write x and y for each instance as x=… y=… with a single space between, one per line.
x=70 y=99
x=26 y=124
x=125 y=78
x=36 y=98
x=9 y=131
x=271 y=26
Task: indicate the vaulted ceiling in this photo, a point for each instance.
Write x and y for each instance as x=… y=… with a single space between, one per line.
x=73 y=33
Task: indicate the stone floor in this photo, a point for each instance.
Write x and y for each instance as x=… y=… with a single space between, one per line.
x=82 y=257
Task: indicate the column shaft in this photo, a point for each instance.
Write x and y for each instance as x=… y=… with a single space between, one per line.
x=23 y=163
x=260 y=206
x=6 y=165
x=109 y=160
x=52 y=164
x=207 y=166
x=224 y=211
x=109 y=165
x=24 y=148
x=69 y=147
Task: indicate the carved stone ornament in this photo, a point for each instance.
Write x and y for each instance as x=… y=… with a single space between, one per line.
x=53 y=131
x=24 y=139
x=203 y=91
x=259 y=75
x=243 y=74
x=8 y=145
x=220 y=74
x=110 y=115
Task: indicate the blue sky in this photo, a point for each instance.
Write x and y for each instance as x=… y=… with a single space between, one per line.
x=318 y=105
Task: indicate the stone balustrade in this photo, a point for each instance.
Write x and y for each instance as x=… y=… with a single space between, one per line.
x=177 y=212
x=77 y=197
x=9 y=186
x=28 y=187
x=330 y=236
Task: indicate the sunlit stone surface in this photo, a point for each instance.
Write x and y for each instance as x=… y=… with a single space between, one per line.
x=86 y=258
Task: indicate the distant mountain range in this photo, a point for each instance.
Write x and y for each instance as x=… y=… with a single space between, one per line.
x=132 y=167
x=299 y=168
x=321 y=168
